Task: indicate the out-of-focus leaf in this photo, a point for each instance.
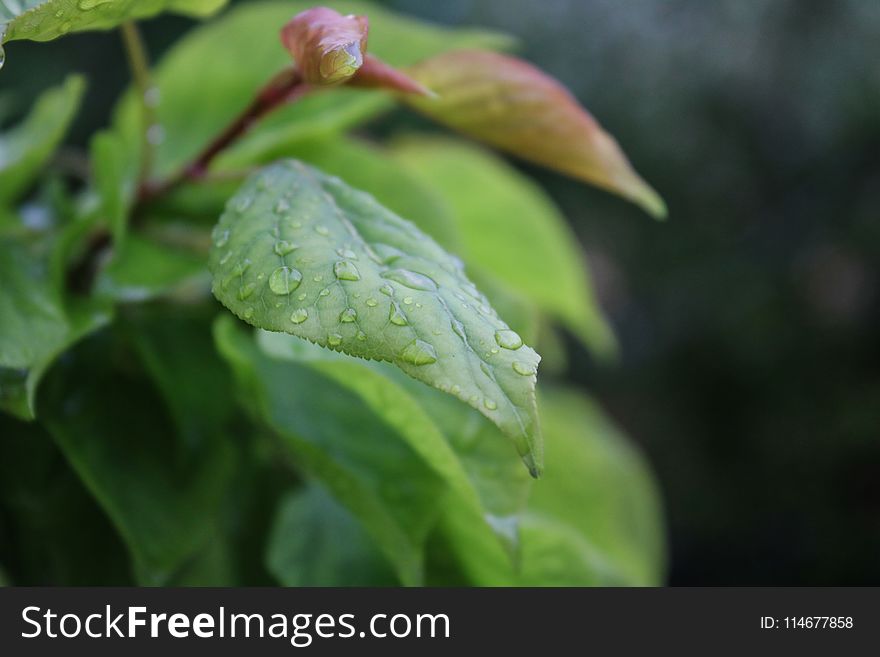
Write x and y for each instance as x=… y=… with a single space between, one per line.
x=317 y=542
x=113 y=180
x=332 y=435
x=205 y=75
x=594 y=519
x=211 y=567
x=44 y=20
x=514 y=106
x=36 y=324
x=512 y=230
x=143 y=269
x=25 y=148
x=175 y=344
x=454 y=440
x=163 y=493
x=53 y=532
x=328 y=47
x=367 y=167
x=301 y=252
x=597 y=484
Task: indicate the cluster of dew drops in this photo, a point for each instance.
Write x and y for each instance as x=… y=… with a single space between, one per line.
x=285 y=280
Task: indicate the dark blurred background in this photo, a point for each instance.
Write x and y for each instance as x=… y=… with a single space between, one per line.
x=750 y=321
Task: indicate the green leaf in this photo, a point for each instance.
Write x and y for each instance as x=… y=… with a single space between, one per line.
x=114 y=181
x=594 y=519
x=599 y=487
x=300 y=252
x=453 y=440
x=333 y=436
x=368 y=167
x=162 y=491
x=44 y=20
x=510 y=104
x=37 y=323
x=143 y=269
x=53 y=532
x=206 y=75
x=316 y=542
x=25 y=149
x=510 y=229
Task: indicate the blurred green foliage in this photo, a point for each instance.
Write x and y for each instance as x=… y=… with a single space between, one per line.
x=174 y=444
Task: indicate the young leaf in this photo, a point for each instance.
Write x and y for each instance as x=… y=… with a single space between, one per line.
x=376 y=74
x=303 y=253
x=511 y=229
x=44 y=20
x=25 y=149
x=328 y=48
x=205 y=75
x=514 y=106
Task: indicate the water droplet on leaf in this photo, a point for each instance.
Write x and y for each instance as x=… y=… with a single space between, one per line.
x=246 y=290
x=419 y=352
x=346 y=271
x=490 y=404
x=508 y=339
x=395 y=316
x=371 y=302
x=221 y=239
x=87 y=5
x=348 y=315
x=283 y=247
x=299 y=316
x=410 y=279
x=284 y=280
x=387 y=290
x=334 y=339
x=522 y=368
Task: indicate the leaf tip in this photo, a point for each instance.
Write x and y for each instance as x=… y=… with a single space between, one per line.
x=651 y=202
x=534 y=469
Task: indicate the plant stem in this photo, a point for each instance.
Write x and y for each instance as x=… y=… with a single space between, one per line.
x=139 y=64
x=284 y=87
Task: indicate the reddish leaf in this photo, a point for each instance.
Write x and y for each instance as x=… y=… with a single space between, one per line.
x=328 y=47
x=514 y=106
